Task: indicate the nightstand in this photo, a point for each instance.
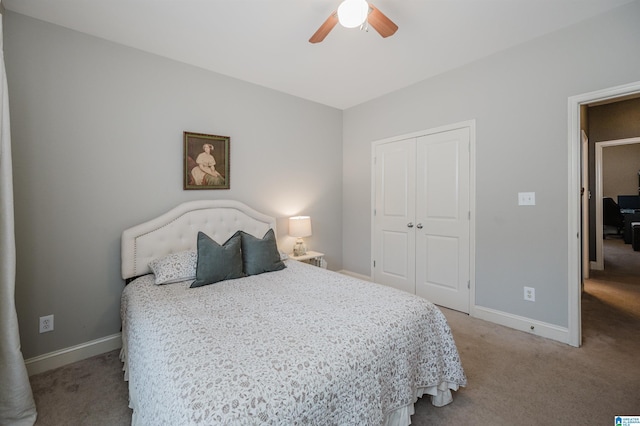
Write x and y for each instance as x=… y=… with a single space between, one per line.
x=312 y=257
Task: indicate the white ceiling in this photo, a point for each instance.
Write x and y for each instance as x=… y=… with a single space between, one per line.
x=266 y=41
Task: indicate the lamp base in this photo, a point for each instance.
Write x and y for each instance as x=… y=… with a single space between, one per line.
x=299 y=248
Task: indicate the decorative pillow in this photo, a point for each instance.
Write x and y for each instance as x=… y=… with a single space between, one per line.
x=260 y=255
x=218 y=262
x=175 y=267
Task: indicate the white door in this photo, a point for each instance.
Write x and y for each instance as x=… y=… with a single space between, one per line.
x=443 y=219
x=586 y=263
x=394 y=212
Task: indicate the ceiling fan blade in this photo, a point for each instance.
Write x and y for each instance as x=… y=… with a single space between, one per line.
x=380 y=22
x=325 y=28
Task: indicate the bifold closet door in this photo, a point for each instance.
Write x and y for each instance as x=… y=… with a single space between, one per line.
x=443 y=219
x=394 y=214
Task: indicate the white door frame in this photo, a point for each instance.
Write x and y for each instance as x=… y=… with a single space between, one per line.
x=599 y=262
x=573 y=196
x=471 y=124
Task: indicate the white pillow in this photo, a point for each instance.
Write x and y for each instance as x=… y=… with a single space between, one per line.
x=175 y=267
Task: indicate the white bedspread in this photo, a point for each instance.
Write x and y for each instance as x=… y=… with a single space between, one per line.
x=298 y=346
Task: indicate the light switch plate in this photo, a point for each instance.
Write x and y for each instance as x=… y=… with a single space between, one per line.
x=526 y=198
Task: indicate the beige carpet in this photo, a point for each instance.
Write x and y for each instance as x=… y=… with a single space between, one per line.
x=514 y=378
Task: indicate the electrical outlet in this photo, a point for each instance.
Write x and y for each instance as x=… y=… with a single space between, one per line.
x=46 y=324
x=530 y=294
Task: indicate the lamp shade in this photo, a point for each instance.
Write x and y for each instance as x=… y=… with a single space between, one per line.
x=352 y=13
x=300 y=226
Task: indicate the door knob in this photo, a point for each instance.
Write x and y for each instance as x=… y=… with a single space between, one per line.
x=410 y=225
x=419 y=226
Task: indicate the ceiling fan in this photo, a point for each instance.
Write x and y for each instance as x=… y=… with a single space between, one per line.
x=354 y=13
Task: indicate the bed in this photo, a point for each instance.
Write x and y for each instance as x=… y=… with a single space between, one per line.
x=296 y=345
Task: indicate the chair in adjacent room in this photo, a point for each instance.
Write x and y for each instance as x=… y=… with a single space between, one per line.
x=612 y=217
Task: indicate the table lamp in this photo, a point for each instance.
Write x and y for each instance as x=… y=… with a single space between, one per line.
x=300 y=226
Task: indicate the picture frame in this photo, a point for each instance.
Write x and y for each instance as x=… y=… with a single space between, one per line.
x=206 y=161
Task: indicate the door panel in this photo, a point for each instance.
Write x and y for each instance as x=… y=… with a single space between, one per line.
x=441 y=261
x=395 y=182
x=440 y=179
x=395 y=246
x=442 y=216
x=394 y=209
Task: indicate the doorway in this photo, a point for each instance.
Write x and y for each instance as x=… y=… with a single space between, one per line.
x=599 y=263
x=575 y=234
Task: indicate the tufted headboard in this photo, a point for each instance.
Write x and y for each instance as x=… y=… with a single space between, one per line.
x=177 y=230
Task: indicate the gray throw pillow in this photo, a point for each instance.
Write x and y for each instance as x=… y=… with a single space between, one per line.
x=218 y=262
x=260 y=255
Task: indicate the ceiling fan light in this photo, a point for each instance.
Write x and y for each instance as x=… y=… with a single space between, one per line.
x=353 y=13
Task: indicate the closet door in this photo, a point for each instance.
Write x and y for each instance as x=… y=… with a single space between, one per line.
x=442 y=219
x=394 y=214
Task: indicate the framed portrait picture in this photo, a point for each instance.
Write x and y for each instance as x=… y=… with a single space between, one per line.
x=206 y=161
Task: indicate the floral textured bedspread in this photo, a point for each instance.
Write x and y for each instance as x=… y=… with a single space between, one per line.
x=297 y=346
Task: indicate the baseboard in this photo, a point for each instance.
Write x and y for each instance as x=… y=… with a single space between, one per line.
x=539 y=328
x=528 y=325
x=79 y=352
x=355 y=275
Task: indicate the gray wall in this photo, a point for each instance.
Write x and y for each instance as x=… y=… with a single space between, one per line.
x=620 y=166
x=97 y=147
x=618 y=120
x=519 y=98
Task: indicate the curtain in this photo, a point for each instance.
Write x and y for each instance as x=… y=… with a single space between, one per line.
x=16 y=399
